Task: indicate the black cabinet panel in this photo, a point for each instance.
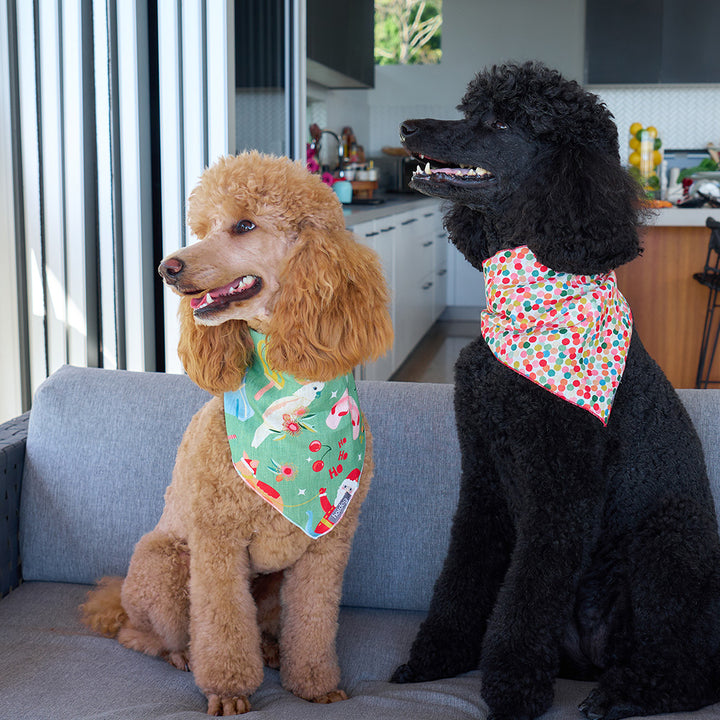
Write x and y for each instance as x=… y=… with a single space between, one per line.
x=259 y=44
x=340 y=43
x=691 y=29
x=341 y=37
x=646 y=41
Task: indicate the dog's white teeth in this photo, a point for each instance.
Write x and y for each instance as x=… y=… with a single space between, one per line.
x=427 y=168
x=471 y=173
x=481 y=171
x=207 y=300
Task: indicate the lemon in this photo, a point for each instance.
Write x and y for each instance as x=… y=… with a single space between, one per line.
x=657 y=158
x=653 y=131
x=634 y=158
x=635 y=128
x=634 y=143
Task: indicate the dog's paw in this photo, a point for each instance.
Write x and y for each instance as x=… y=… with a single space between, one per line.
x=599 y=706
x=331 y=697
x=178 y=659
x=405 y=674
x=270 y=651
x=223 y=706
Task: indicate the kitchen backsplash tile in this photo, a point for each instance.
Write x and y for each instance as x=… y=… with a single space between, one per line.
x=385 y=121
x=686 y=117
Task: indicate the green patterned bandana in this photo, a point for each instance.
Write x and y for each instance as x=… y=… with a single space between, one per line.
x=299 y=445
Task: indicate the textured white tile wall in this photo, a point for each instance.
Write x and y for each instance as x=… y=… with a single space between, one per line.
x=385 y=121
x=686 y=117
x=260 y=120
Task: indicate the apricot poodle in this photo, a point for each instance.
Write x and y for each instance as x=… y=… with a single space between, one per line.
x=279 y=304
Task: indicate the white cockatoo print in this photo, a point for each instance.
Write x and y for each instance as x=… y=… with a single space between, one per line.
x=291 y=406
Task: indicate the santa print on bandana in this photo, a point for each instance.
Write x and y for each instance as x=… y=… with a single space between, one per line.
x=567 y=333
x=300 y=445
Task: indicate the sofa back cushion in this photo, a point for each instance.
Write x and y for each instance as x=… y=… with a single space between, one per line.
x=101 y=448
x=100 y=451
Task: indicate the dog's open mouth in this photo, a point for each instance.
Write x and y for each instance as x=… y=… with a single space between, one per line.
x=444 y=171
x=241 y=288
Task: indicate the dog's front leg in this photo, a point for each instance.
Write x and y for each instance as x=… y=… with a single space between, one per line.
x=310 y=604
x=225 y=654
x=521 y=650
x=481 y=540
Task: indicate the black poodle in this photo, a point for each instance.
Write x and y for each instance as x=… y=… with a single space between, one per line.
x=585 y=543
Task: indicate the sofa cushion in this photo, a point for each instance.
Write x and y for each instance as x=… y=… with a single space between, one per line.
x=703 y=407
x=52 y=667
x=100 y=451
x=102 y=444
x=101 y=448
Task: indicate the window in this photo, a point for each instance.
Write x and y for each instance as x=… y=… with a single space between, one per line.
x=407 y=32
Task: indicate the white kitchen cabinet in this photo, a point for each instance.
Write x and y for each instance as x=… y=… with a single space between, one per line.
x=414 y=264
x=466 y=286
x=441 y=264
x=378 y=235
x=413 y=249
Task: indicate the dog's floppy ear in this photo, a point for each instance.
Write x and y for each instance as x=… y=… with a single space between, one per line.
x=332 y=308
x=215 y=357
x=580 y=211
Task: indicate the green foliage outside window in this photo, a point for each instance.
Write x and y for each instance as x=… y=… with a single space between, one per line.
x=407 y=32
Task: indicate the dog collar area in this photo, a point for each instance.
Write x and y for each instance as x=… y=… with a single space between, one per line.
x=567 y=333
x=300 y=445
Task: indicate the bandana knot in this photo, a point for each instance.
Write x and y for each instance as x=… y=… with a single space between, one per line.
x=567 y=333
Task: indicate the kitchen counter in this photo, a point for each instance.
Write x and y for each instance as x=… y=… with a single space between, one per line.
x=667 y=303
x=400 y=202
x=394 y=203
x=682 y=217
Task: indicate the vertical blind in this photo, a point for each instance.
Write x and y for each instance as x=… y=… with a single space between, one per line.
x=109 y=111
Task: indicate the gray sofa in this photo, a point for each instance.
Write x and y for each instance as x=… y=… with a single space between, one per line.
x=85 y=479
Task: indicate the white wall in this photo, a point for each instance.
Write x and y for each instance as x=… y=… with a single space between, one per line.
x=477 y=33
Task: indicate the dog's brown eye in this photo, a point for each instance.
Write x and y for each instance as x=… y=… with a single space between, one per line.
x=243 y=226
x=500 y=125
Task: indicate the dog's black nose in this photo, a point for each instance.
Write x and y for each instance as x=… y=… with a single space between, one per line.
x=170 y=268
x=407 y=128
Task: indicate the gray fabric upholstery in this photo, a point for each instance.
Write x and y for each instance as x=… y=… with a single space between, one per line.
x=105 y=442
x=100 y=451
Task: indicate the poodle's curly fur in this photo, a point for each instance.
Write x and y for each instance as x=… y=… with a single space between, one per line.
x=576 y=548
x=224 y=581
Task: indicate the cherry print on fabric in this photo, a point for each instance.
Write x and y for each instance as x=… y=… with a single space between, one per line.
x=567 y=333
x=300 y=445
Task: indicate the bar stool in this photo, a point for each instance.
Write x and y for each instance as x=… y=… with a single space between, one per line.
x=710 y=277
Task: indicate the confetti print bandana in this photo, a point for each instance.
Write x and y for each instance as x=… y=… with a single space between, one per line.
x=567 y=333
x=300 y=445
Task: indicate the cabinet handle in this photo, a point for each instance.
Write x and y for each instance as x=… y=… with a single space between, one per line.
x=372 y=234
x=442 y=272
x=430 y=214
x=427 y=286
x=428 y=243
x=407 y=222
x=387 y=229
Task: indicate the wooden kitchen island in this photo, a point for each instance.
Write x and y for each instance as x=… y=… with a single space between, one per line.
x=668 y=305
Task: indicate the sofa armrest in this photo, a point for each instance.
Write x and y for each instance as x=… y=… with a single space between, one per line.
x=13 y=435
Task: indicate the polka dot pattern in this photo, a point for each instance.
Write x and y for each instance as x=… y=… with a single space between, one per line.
x=567 y=333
